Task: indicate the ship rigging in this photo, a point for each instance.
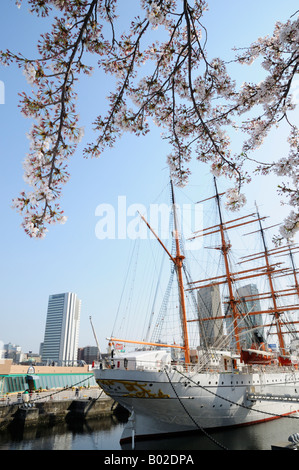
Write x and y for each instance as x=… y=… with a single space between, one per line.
x=241 y=320
x=218 y=382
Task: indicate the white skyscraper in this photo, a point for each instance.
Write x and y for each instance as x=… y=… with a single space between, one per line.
x=62 y=329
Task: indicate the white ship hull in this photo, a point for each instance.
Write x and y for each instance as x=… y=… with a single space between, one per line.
x=168 y=402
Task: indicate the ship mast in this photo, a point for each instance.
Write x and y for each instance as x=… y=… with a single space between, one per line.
x=178 y=262
x=179 y=266
x=225 y=247
x=230 y=277
x=276 y=312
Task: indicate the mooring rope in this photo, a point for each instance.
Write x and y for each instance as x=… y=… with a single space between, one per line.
x=192 y=419
x=238 y=404
x=32 y=400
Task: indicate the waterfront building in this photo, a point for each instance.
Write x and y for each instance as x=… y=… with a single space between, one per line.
x=16 y=378
x=31 y=358
x=248 y=301
x=60 y=343
x=209 y=306
x=89 y=354
x=249 y=296
x=12 y=351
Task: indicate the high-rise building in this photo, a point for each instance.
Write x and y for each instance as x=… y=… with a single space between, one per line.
x=62 y=329
x=209 y=306
x=12 y=351
x=248 y=302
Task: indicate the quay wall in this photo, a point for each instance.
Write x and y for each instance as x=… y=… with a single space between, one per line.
x=52 y=412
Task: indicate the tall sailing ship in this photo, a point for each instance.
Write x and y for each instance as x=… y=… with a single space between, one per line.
x=235 y=379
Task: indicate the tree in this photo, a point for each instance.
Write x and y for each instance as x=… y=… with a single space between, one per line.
x=191 y=97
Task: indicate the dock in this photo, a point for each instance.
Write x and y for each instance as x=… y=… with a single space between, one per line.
x=46 y=395
x=49 y=409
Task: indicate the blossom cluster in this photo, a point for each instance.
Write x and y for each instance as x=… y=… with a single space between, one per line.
x=279 y=56
x=235 y=200
x=168 y=80
x=55 y=132
x=175 y=95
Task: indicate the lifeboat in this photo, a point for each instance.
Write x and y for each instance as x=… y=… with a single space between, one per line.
x=288 y=361
x=256 y=355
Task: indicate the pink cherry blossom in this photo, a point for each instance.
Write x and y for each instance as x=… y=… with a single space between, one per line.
x=189 y=95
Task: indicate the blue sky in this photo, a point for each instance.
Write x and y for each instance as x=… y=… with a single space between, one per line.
x=72 y=258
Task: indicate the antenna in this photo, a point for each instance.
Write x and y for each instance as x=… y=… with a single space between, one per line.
x=95 y=337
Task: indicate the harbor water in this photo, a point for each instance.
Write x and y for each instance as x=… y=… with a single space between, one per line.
x=104 y=434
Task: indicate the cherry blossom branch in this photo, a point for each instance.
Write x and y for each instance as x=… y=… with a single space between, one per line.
x=171 y=83
x=45 y=167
